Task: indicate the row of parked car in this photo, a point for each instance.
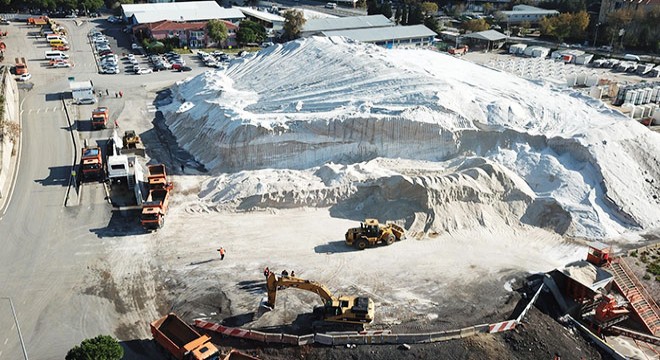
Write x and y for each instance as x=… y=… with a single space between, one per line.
x=169 y=61
x=214 y=59
x=108 y=60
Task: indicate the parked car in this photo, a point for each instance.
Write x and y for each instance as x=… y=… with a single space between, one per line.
x=135 y=46
x=103 y=48
x=143 y=71
x=105 y=52
x=330 y=5
x=113 y=19
x=184 y=68
x=24 y=77
x=62 y=64
x=109 y=70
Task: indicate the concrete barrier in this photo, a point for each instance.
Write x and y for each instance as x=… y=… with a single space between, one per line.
x=289 y=339
x=502 y=326
x=483 y=328
x=467 y=332
x=390 y=339
x=413 y=338
x=323 y=339
x=446 y=335
x=373 y=339
x=273 y=338
x=306 y=339
x=256 y=336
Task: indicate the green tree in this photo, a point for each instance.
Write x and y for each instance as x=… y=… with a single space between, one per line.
x=429 y=8
x=102 y=347
x=217 y=30
x=416 y=15
x=293 y=23
x=92 y=5
x=250 y=32
x=397 y=15
x=475 y=25
x=524 y=27
x=404 y=15
x=372 y=7
x=431 y=23
x=488 y=8
x=361 y=4
x=386 y=9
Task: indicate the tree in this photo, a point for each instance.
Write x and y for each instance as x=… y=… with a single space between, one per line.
x=488 y=8
x=372 y=7
x=429 y=8
x=431 y=23
x=475 y=25
x=579 y=23
x=524 y=27
x=416 y=15
x=404 y=15
x=250 y=32
x=102 y=347
x=397 y=15
x=293 y=23
x=217 y=30
x=361 y=4
x=92 y=5
x=386 y=9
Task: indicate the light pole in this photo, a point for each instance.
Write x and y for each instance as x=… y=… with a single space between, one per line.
x=596 y=34
x=18 y=328
x=621 y=33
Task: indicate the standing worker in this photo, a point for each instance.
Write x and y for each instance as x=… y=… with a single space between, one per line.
x=266 y=272
x=222 y=253
x=293 y=273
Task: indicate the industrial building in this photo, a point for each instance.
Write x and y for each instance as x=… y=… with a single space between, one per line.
x=318 y=26
x=136 y=14
x=394 y=36
x=522 y=13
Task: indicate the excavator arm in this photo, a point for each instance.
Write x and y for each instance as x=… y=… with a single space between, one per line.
x=274 y=282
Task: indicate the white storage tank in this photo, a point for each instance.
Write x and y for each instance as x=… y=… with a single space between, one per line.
x=627 y=108
x=581 y=79
x=631 y=96
x=592 y=79
x=596 y=92
x=517 y=49
x=571 y=80
x=583 y=59
x=637 y=112
x=647 y=95
x=540 y=52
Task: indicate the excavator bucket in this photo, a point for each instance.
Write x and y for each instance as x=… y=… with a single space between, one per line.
x=263 y=308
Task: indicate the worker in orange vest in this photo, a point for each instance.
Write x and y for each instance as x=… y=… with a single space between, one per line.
x=222 y=253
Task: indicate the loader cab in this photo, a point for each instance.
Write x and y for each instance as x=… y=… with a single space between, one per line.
x=371 y=228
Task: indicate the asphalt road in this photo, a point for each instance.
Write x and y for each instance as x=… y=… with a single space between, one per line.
x=52 y=256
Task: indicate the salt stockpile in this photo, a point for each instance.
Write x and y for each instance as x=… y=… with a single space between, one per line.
x=413 y=135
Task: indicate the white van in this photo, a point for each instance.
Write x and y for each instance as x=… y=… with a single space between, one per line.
x=54 y=55
x=55 y=37
x=631 y=57
x=330 y=5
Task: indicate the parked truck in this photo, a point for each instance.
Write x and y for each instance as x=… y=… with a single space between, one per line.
x=155 y=207
x=459 y=50
x=100 y=117
x=181 y=340
x=21 y=66
x=91 y=163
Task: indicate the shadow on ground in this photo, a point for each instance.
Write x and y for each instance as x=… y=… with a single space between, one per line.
x=333 y=247
x=122 y=223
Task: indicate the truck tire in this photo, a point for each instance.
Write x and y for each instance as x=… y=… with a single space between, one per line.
x=361 y=243
x=389 y=240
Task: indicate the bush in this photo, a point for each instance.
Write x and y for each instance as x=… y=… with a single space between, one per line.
x=634 y=253
x=102 y=347
x=646 y=277
x=653 y=268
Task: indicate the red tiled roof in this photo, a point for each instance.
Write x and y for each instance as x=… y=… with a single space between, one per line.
x=168 y=25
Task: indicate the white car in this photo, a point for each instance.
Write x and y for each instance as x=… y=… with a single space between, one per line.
x=109 y=70
x=130 y=56
x=143 y=71
x=135 y=46
x=24 y=77
x=62 y=64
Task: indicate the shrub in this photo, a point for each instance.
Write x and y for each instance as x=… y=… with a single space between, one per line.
x=102 y=347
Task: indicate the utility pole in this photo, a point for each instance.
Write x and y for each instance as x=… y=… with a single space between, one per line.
x=18 y=328
x=596 y=34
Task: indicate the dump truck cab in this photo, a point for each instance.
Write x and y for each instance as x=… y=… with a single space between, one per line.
x=100 y=118
x=371 y=232
x=91 y=163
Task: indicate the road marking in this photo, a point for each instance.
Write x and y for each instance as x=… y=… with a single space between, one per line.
x=55 y=108
x=6 y=340
x=38 y=111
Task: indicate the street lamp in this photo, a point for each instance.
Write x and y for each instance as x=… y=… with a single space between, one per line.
x=18 y=328
x=621 y=32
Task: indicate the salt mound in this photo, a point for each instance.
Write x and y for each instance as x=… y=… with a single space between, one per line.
x=299 y=124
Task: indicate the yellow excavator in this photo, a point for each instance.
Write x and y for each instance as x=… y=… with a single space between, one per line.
x=343 y=309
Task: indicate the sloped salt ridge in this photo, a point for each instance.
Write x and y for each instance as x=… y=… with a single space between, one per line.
x=520 y=153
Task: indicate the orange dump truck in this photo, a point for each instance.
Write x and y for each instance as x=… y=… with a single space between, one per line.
x=181 y=340
x=100 y=118
x=91 y=163
x=155 y=207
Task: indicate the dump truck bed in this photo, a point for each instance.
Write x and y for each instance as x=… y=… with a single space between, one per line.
x=398 y=231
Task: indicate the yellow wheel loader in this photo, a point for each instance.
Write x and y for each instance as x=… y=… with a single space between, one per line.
x=371 y=233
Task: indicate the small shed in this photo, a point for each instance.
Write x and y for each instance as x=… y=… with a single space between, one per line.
x=485 y=40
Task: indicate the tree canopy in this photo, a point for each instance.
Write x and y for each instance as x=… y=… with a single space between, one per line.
x=475 y=25
x=565 y=26
x=217 y=30
x=293 y=23
x=102 y=347
x=250 y=32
